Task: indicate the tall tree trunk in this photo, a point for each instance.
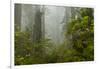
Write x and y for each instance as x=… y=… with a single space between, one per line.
x=17 y=17
x=37 y=26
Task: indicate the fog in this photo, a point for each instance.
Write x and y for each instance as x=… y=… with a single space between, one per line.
x=52 y=20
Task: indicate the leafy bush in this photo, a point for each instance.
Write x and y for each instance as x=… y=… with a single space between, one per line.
x=77 y=46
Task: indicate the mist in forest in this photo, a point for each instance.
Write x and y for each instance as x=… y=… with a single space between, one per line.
x=52 y=17
x=53 y=34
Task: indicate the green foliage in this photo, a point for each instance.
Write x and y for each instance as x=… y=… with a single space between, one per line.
x=28 y=52
x=81 y=34
x=77 y=46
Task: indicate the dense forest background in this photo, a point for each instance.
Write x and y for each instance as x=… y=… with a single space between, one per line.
x=53 y=34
